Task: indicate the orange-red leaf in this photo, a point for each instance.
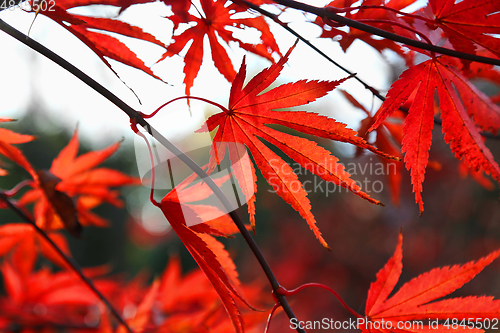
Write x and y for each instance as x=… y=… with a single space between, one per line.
x=209 y=254
x=24 y=244
x=245 y=121
x=217 y=17
x=411 y=301
x=87 y=29
x=458 y=100
x=469 y=23
x=73 y=177
x=7 y=139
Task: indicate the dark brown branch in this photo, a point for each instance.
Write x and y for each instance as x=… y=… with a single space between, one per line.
x=136 y=117
x=69 y=261
x=324 y=13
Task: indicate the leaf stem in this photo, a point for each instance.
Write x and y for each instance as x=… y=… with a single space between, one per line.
x=137 y=118
x=147 y=116
x=292 y=292
x=70 y=262
x=13 y=191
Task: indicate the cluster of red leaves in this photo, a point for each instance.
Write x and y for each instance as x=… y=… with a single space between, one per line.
x=216 y=18
x=172 y=303
x=62 y=197
x=214 y=21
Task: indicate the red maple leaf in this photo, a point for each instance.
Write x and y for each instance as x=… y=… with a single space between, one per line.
x=462 y=108
x=47 y=299
x=189 y=302
x=208 y=253
x=469 y=23
x=23 y=243
x=76 y=181
x=214 y=24
x=415 y=302
x=7 y=139
x=90 y=30
x=245 y=120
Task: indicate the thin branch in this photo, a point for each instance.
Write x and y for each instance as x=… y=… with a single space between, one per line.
x=329 y=14
x=70 y=262
x=136 y=117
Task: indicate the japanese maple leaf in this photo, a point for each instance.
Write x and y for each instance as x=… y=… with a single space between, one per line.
x=469 y=23
x=190 y=303
x=214 y=23
x=76 y=178
x=23 y=243
x=208 y=253
x=90 y=31
x=7 y=139
x=415 y=300
x=245 y=120
x=462 y=108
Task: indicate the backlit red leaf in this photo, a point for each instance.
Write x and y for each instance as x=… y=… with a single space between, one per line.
x=412 y=301
x=458 y=101
x=7 y=139
x=208 y=253
x=104 y=45
x=469 y=23
x=216 y=17
x=245 y=121
x=74 y=182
